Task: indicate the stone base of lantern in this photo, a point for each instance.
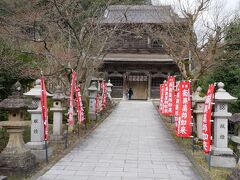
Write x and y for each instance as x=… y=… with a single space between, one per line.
x=18 y=163
x=225 y=161
x=56 y=138
x=36 y=145
x=40 y=154
x=92 y=116
x=38 y=149
x=222 y=151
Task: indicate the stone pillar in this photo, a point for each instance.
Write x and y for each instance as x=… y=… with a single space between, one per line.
x=16 y=157
x=37 y=143
x=109 y=89
x=198 y=110
x=92 y=100
x=222 y=155
x=149 y=85
x=57 y=110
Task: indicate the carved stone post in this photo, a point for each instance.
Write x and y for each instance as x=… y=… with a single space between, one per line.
x=92 y=100
x=222 y=155
x=199 y=106
x=57 y=109
x=37 y=143
x=109 y=89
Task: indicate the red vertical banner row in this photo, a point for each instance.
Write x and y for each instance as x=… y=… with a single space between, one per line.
x=171 y=96
x=177 y=108
x=161 y=98
x=71 y=99
x=184 y=113
x=80 y=110
x=43 y=99
x=206 y=122
x=167 y=97
x=96 y=103
x=104 y=95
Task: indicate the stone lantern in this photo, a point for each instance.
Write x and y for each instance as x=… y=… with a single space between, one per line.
x=222 y=155
x=57 y=109
x=198 y=110
x=109 y=89
x=16 y=157
x=37 y=143
x=93 y=90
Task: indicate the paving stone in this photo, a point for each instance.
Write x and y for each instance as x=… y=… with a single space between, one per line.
x=65 y=177
x=132 y=143
x=48 y=177
x=103 y=178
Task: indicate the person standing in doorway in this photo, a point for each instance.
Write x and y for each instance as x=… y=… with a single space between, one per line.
x=130 y=93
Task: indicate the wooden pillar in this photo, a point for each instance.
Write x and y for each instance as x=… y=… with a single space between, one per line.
x=124 y=86
x=149 y=85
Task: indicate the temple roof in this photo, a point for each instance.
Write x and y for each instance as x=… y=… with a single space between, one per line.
x=139 y=14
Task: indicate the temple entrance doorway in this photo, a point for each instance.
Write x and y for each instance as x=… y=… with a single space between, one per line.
x=139 y=84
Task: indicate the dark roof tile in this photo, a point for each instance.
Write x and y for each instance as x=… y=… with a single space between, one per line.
x=139 y=14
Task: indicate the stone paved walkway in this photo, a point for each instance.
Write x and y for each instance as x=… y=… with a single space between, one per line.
x=130 y=144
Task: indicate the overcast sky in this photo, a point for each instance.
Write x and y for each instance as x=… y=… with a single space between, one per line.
x=226 y=9
x=229 y=5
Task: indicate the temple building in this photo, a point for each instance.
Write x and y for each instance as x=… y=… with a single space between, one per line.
x=135 y=57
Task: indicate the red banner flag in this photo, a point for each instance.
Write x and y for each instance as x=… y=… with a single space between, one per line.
x=206 y=122
x=44 y=106
x=165 y=98
x=185 y=116
x=171 y=96
x=80 y=110
x=71 y=99
x=96 y=103
x=177 y=108
x=161 y=98
x=103 y=95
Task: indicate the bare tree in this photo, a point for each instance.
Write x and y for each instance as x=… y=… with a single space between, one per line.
x=68 y=33
x=194 y=50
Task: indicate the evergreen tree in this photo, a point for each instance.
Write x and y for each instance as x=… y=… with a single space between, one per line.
x=228 y=65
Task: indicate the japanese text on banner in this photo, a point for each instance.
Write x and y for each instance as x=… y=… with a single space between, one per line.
x=80 y=110
x=161 y=98
x=71 y=99
x=44 y=106
x=184 y=122
x=171 y=95
x=104 y=96
x=165 y=98
x=177 y=108
x=206 y=121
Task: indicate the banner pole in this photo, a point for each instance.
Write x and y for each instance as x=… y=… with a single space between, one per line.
x=85 y=120
x=192 y=120
x=209 y=161
x=66 y=142
x=46 y=148
x=78 y=128
x=193 y=142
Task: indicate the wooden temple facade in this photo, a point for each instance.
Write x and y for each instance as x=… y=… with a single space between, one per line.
x=137 y=61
